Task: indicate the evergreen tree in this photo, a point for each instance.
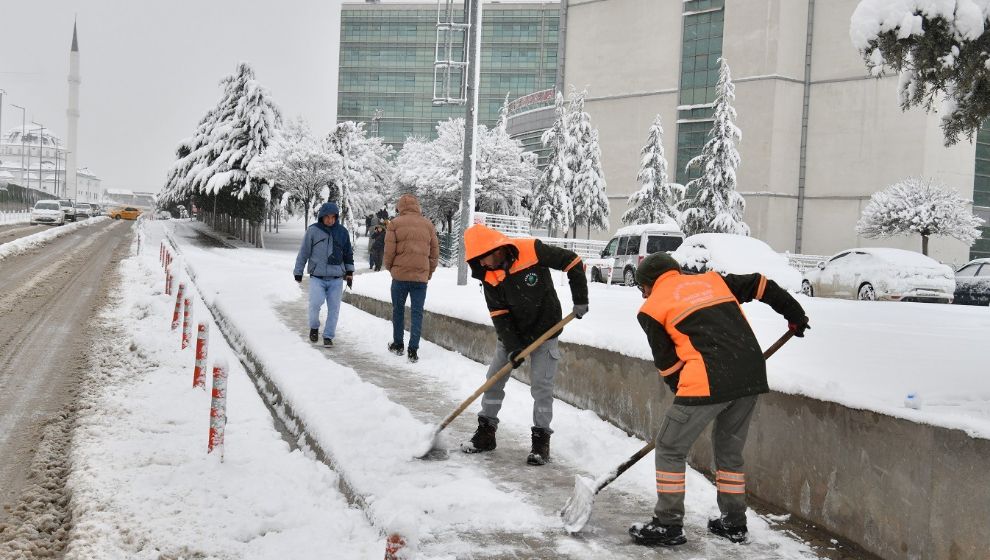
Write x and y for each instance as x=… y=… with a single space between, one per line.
x=656 y=200
x=365 y=171
x=552 y=205
x=919 y=206
x=583 y=155
x=940 y=51
x=716 y=206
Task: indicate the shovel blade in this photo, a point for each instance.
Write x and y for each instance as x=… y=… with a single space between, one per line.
x=432 y=448
x=577 y=511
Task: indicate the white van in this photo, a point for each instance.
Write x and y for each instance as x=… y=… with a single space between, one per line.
x=629 y=246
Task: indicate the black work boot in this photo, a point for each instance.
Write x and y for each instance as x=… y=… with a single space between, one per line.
x=327 y=342
x=655 y=533
x=540 y=454
x=314 y=335
x=413 y=355
x=483 y=438
x=735 y=533
x=396 y=349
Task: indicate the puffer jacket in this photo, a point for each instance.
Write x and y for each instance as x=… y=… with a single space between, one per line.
x=411 y=246
x=327 y=249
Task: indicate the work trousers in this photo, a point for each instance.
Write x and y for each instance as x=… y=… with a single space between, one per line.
x=543 y=364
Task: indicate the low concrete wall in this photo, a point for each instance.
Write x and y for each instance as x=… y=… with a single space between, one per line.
x=902 y=490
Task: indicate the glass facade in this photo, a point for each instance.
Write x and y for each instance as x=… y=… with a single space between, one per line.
x=981 y=190
x=386 y=63
x=701 y=47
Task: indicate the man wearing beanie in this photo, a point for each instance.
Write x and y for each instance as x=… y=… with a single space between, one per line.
x=706 y=352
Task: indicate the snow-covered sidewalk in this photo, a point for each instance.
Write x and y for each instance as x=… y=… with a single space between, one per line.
x=369 y=410
x=143 y=485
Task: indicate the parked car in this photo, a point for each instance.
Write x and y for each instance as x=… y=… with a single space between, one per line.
x=124 y=212
x=872 y=274
x=97 y=209
x=68 y=209
x=47 y=212
x=83 y=211
x=727 y=253
x=973 y=283
x=630 y=246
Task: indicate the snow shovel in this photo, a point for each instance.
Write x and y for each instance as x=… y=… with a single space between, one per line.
x=577 y=510
x=432 y=448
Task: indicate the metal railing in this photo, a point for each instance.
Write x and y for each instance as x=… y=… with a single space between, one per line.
x=513 y=226
x=585 y=248
x=804 y=262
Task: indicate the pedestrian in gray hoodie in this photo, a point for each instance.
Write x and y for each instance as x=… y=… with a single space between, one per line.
x=327 y=248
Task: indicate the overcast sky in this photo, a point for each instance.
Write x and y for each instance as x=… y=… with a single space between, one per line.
x=150 y=70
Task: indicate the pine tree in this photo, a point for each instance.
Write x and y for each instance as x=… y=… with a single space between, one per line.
x=583 y=155
x=716 y=206
x=552 y=205
x=940 y=51
x=656 y=200
x=919 y=206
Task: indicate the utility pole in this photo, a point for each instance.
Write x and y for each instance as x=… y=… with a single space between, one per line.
x=472 y=15
x=41 y=152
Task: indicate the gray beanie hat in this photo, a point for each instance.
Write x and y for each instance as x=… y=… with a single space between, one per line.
x=654 y=266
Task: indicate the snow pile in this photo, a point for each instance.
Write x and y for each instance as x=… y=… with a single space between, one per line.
x=18 y=246
x=640 y=229
x=737 y=254
x=142 y=483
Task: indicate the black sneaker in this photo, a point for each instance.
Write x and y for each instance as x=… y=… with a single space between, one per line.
x=413 y=355
x=736 y=534
x=655 y=533
x=540 y=453
x=483 y=439
x=396 y=349
x=327 y=342
x=314 y=335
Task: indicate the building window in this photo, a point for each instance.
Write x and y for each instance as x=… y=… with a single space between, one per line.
x=981 y=190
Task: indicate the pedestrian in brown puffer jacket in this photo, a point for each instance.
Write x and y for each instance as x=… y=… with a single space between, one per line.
x=411 y=255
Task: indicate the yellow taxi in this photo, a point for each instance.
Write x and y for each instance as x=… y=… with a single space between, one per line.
x=124 y=212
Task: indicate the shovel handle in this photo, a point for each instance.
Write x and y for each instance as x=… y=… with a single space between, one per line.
x=506 y=369
x=650 y=446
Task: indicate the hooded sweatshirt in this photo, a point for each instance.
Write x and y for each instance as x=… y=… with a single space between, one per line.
x=411 y=247
x=521 y=298
x=326 y=248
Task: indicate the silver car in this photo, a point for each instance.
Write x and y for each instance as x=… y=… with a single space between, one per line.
x=872 y=274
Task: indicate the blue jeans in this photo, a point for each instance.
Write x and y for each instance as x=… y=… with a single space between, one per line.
x=329 y=290
x=416 y=292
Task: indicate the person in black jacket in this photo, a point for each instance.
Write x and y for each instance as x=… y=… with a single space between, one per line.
x=706 y=352
x=523 y=305
x=377 y=249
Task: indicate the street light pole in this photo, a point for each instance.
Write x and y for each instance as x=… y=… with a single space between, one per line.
x=23 y=168
x=41 y=152
x=473 y=78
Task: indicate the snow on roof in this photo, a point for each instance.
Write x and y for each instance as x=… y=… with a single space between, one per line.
x=900 y=256
x=639 y=229
x=123 y=192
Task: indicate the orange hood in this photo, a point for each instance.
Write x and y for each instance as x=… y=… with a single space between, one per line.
x=480 y=239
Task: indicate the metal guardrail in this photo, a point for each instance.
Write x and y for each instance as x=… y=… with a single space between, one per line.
x=585 y=248
x=804 y=262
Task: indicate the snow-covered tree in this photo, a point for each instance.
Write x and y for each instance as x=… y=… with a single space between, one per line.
x=238 y=129
x=919 y=206
x=941 y=51
x=716 y=206
x=302 y=166
x=366 y=171
x=584 y=156
x=433 y=171
x=656 y=200
x=552 y=205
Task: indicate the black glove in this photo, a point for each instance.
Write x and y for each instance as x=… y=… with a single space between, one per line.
x=515 y=359
x=349 y=280
x=799 y=326
x=580 y=310
x=298 y=277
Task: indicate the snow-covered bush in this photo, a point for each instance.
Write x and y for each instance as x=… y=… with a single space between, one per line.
x=919 y=206
x=941 y=51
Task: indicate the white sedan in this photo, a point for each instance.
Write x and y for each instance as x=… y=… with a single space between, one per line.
x=728 y=253
x=872 y=274
x=47 y=212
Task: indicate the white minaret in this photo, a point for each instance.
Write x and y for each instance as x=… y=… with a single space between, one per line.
x=73 y=117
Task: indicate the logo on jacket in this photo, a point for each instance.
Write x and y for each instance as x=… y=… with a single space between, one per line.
x=531 y=279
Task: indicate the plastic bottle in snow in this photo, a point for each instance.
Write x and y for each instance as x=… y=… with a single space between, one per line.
x=913 y=400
